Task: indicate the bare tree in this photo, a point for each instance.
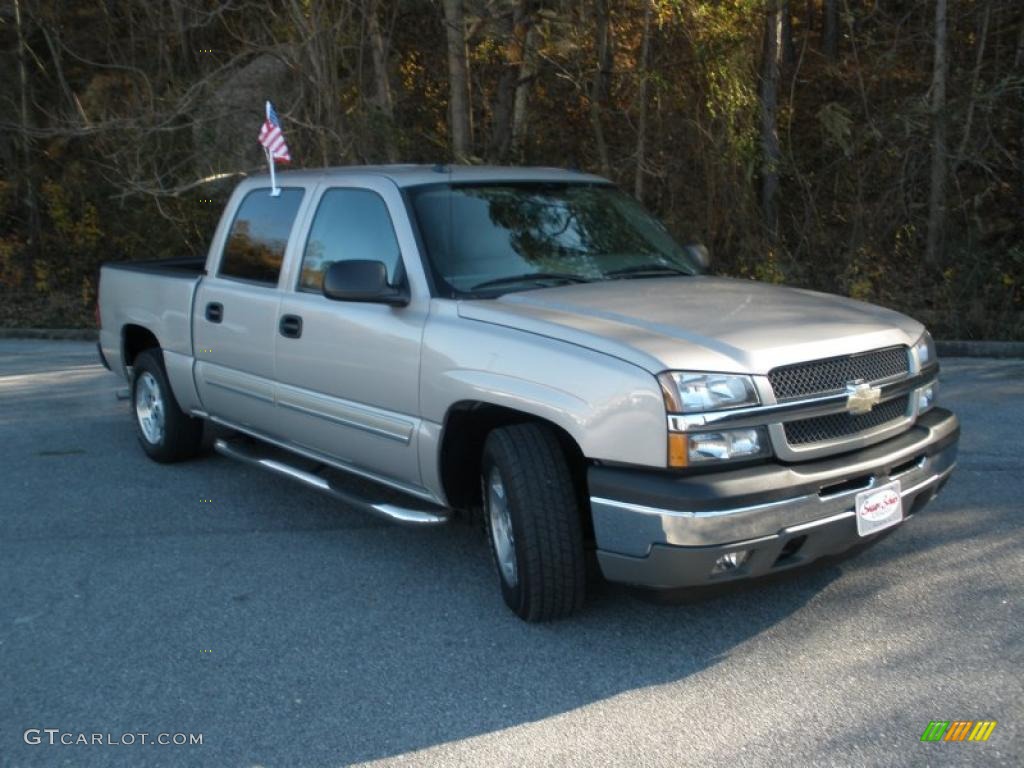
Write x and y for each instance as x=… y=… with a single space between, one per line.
x=383 y=101
x=527 y=72
x=1018 y=62
x=975 y=82
x=458 y=80
x=771 y=154
x=788 y=46
x=29 y=192
x=602 y=80
x=937 y=192
x=830 y=30
x=514 y=24
x=641 y=121
x=319 y=60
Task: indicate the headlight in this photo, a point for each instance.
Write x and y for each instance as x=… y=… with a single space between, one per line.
x=924 y=351
x=686 y=392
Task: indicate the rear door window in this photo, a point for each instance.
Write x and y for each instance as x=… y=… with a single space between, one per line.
x=259 y=235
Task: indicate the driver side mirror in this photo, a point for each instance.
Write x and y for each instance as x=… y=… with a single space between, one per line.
x=362 y=280
x=700 y=254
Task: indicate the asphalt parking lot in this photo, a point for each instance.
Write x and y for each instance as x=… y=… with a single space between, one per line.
x=210 y=598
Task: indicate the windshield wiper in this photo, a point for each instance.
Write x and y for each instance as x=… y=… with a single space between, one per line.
x=530 y=277
x=644 y=270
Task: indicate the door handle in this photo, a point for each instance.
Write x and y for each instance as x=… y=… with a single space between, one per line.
x=214 y=312
x=290 y=326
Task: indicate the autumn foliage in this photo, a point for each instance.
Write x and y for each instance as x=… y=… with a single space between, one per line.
x=866 y=147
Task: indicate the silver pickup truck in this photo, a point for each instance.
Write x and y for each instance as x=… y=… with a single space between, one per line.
x=532 y=347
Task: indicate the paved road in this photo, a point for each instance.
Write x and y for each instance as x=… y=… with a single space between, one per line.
x=291 y=632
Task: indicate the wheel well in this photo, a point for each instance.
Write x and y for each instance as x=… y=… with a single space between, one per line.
x=136 y=339
x=466 y=428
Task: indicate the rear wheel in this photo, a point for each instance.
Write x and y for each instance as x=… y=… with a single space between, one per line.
x=533 y=522
x=165 y=432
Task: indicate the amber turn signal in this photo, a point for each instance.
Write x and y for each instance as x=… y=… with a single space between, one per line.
x=678 y=455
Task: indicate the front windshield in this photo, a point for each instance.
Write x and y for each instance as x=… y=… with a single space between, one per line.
x=487 y=239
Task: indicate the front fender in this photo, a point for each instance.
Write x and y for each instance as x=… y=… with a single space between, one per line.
x=611 y=408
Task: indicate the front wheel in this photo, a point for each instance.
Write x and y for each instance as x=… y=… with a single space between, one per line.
x=533 y=522
x=165 y=432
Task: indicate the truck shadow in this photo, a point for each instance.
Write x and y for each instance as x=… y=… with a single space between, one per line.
x=413 y=647
x=420 y=651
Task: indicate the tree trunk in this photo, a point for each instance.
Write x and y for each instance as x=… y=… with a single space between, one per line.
x=458 y=80
x=28 y=186
x=788 y=46
x=975 y=81
x=319 y=61
x=602 y=81
x=937 y=195
x=527 y=72
x=1018 y=61
x=771 y=154
x=830 y=31
x=515 y=25
x=641 y=121
x=383 y=101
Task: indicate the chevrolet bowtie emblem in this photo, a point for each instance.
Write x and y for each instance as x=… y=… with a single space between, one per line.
x=861 y=397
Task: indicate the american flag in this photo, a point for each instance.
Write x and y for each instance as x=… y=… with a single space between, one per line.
x=272 y=138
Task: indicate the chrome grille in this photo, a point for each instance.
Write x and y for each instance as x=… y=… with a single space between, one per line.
x=820 y=377
x=838 y=425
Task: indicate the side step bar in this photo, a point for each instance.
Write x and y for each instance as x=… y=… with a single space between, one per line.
x=413 y=516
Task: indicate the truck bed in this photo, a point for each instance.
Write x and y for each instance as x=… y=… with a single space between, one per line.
x=155 y=296
x=187 y=267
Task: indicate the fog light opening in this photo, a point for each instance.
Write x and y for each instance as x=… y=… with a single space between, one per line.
x=926 y=397
x=730 y=561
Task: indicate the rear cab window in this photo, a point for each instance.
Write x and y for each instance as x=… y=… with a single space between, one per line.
x=255 y=246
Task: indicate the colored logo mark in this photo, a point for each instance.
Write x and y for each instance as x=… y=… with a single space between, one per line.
x=958 y=730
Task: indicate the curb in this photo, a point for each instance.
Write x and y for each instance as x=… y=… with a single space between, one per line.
x=980 y=348
x=56 y=334
x=951 y=348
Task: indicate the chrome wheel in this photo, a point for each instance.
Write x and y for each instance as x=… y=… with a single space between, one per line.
x=149 y=408
x=501 y=527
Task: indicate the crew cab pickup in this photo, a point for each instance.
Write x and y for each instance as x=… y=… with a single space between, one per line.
x=531 y=347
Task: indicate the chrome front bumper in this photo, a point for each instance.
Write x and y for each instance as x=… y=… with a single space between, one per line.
x=664 y=529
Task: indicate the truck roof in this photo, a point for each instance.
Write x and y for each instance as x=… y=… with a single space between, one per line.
x=413 y=175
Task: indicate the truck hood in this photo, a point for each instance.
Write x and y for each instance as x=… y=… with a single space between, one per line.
x=699 y=323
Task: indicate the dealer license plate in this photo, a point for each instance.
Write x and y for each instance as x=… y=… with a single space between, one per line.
x=879 y=508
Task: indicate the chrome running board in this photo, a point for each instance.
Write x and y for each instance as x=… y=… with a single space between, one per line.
x=422 y=515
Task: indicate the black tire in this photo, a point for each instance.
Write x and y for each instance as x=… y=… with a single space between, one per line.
x=550 y=575
x=180 y=435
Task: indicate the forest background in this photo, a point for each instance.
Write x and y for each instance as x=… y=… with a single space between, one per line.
x=873 y=148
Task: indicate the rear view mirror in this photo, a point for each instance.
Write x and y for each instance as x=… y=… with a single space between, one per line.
x=362 y=280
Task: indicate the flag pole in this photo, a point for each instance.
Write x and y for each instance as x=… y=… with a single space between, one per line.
x=274 y=191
